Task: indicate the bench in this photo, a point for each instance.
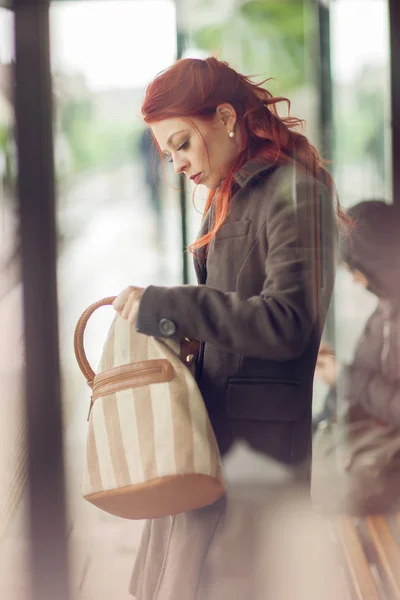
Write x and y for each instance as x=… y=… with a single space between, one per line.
x=368 y=548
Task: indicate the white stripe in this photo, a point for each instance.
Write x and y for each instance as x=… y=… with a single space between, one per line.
x=163 y=429
x=201 y=446
x=130 y=438
x=103 y=450
x=122 y=342
x=86 y=489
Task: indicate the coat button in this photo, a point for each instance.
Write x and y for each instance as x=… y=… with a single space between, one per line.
x=167 y=327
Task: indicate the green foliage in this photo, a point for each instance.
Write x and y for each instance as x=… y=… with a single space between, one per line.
x=209 y=38
x=6 y=140
x=97 y=144
x=93 y=143
x=266 y=37
x=359 y=110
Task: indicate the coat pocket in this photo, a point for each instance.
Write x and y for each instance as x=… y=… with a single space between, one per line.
x=228 y=230
x=266 y=400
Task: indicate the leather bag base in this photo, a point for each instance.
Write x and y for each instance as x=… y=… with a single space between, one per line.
x=160 y=497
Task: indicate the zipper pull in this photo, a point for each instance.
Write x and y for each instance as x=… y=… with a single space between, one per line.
x=90 y=384
x=90 y=407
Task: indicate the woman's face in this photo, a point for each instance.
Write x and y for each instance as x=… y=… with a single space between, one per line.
x=201 y=148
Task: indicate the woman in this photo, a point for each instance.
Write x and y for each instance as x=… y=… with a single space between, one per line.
x=264 y=262
x=372 y=382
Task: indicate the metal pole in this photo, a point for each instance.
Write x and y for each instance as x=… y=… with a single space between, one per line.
x=33 y=104
x=326 y=122
x=180 y=47
x=326 y=88
x=394 y=24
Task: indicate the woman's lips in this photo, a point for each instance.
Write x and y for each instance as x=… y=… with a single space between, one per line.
x=197 y=178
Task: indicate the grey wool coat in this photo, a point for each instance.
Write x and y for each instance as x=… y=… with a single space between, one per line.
x=263 y=291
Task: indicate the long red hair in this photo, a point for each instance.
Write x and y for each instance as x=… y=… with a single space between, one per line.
x=194 y=88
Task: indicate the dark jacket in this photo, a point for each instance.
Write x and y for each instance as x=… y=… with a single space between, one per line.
x=264 y=289
x=372 y=381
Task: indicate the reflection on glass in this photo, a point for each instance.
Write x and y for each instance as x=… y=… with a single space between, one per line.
x=270 y=39
x=118 y=224
x=361 y=160
x=360 y=71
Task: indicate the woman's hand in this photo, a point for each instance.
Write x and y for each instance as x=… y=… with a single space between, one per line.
x=127 y=303
x=327 y=367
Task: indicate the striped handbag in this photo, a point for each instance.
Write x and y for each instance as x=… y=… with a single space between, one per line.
x=151 y=450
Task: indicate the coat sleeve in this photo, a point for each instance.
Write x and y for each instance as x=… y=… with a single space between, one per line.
x=377 y=394
x=277 y=323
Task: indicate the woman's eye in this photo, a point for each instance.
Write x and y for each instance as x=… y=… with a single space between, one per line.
x=184 y=146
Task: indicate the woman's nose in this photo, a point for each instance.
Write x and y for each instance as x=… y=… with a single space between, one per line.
x=180 y=164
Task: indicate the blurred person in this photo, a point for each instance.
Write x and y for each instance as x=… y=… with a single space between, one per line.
x=153 y=173
x=264 y=260
x=370 y=385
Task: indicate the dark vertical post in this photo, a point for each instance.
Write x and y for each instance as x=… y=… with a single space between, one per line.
x=326 y=123
x=180 y=46
x=325 y=81
x=33 y=104
x=394 y=24
x=326 y=119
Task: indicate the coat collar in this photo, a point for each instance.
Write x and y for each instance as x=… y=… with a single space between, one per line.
x=253 y=167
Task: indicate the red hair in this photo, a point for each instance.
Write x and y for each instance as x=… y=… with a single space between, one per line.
x=194 y=88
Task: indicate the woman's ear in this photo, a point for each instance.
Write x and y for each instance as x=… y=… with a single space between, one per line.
x=227 y=114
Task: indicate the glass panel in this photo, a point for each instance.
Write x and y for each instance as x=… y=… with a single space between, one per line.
x=270 y=39
x=13 y=467
x=362 y=158
x=118 y=224
x=361 y=92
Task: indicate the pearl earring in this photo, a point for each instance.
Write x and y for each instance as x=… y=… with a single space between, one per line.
x=231 y=133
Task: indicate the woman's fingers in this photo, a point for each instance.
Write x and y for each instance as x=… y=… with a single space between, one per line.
x=325 y=349
x=127 y=303
x=121 y=299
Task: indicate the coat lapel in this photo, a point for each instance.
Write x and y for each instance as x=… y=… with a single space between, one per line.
x=200 y=255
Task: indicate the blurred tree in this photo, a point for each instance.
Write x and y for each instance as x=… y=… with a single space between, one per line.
x=360 y=128
x=92 y=141
x=266 y=37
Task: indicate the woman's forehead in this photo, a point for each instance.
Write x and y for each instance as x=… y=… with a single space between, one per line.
x=164 y=131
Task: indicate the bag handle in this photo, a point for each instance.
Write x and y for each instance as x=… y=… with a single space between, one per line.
x=79 y=347
x=189 y=349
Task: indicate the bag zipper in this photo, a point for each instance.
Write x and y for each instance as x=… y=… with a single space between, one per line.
x=123 y=376
x=120 y=377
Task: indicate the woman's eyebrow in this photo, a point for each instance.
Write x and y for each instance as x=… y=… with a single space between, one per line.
x=173 y=135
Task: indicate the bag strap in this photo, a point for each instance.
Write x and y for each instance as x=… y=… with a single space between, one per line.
x=189 y=349
x=79 y=338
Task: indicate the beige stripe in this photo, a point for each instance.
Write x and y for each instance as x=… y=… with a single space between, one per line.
x=163 y=429
x=115 y=441
x=92 y=478
x=214 y=451
x=182 y=423
x=202 y=458
x=139 y=350
x=145 y=429
x=103 y=449
x=130 y=435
